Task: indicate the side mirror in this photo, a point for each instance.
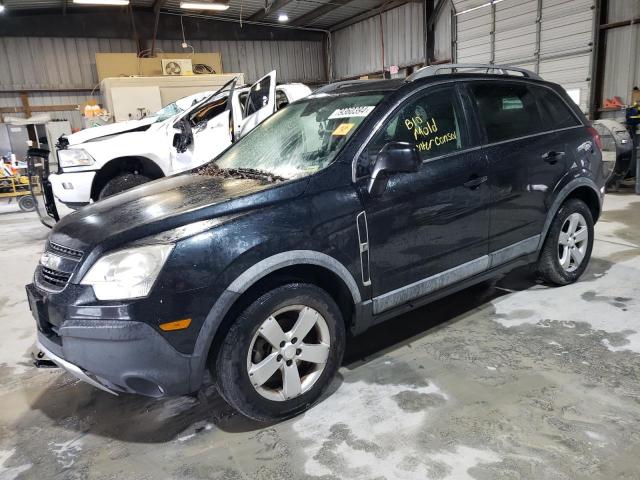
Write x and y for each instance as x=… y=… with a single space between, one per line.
x=394 y=157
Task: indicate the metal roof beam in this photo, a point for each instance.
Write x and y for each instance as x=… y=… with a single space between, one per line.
x=319 y=12
x=264 y=12
x=383 y=7
x=110 y=24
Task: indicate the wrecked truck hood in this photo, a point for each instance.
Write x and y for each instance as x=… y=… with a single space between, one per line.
x=163 y=205
x=105 y=130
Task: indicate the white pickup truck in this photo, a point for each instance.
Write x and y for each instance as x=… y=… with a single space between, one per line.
x=101 y=161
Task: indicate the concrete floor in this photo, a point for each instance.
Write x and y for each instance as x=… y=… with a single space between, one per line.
x=512 y=381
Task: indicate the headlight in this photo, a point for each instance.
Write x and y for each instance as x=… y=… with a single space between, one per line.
x=74 y=157
x=127 y=273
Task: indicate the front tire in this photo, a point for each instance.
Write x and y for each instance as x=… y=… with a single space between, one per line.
x=281 y=353
x=567 y=248
x=122 y=182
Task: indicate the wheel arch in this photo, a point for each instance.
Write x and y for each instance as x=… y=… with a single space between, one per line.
x=296 y=266
x=590 y=197
x=127 y=164
x=581 y=188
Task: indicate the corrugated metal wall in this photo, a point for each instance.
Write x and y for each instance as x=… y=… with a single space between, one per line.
x=69 y=63
x=553 y=37
x=442 y=33
x=622 y=61
x=357 y=49
x=473 y=32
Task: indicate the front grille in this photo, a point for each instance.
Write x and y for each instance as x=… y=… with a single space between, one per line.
x=66 y=261
x=54 y=277
x=64 y=251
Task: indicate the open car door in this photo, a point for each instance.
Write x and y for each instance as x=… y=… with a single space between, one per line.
x=205 y=130
x=260 y=104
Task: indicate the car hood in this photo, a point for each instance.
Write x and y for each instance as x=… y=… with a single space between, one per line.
x=164 y=205
x=105 y=130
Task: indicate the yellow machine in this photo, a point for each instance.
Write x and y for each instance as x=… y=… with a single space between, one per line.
x=14 y=185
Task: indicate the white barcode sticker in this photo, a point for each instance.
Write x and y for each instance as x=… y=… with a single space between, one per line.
x=351 y=112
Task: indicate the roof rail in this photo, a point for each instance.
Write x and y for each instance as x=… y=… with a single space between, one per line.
x=431 y=70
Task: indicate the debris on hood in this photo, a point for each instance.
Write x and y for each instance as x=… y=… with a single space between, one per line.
x=213 y=170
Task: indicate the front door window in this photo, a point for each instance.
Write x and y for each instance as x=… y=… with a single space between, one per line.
x=431 y=122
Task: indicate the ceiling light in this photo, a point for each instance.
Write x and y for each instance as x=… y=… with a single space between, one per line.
x=203 y=6
x=1 y=7
x=283 y=17
x=102 y=2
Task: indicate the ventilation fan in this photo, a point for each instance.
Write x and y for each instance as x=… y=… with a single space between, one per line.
x=178 y=66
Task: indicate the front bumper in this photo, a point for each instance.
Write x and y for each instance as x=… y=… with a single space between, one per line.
x=72 y=188
x=114 y=355
x=73 y=369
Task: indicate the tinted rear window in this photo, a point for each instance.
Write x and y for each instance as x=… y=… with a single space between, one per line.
x=556 y=112
x=506 y=110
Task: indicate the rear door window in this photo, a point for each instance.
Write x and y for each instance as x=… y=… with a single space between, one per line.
x=556 y=112
x=507 y=111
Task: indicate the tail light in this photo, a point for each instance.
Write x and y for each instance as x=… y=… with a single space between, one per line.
x=596 y=137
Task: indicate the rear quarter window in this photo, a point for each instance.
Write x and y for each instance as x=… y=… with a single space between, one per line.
x=555 y=111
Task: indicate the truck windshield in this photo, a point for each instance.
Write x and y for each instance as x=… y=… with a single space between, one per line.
x=301 y=139
x=179 y=106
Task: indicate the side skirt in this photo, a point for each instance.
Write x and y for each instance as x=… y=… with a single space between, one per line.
x=365 y=318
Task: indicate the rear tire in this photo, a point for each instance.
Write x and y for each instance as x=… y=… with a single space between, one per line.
x=567 y=248
x=274 y=379
x=122 y=182
x=27 y=203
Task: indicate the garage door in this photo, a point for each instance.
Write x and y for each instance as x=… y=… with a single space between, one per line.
x=552 y=37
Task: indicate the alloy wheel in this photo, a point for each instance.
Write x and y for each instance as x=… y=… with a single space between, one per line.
x=288 y=353
x=573 y=242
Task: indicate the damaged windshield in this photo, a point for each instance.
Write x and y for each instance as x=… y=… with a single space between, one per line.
x=179 y=106
x=301 y=139
x=183 y=104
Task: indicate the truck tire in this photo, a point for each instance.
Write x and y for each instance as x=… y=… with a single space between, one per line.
x=122 y=182
x=567 y=248
x=281 y=353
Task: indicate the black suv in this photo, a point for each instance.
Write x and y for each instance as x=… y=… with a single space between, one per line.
x=347 y=208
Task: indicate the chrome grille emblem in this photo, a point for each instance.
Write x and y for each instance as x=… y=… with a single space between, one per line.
x=51 y=261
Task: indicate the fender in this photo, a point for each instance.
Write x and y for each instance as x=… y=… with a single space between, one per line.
x=242 y=283
x=560 y=197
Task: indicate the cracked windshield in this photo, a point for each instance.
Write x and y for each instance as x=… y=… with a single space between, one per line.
x=302 y=138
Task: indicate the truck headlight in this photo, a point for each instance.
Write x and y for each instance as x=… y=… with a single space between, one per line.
x=127 y=273
x=74 y=157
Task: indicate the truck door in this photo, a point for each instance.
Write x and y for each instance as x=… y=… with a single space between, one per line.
x=260 y=104
x=204 y=132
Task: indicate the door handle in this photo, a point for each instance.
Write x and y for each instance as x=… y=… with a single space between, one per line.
x=475 y=181
x=552 y=156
